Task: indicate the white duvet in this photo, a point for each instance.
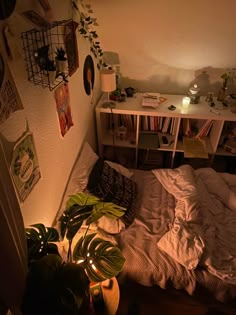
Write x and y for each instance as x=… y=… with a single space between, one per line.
x=206 y=208
x=198 y=207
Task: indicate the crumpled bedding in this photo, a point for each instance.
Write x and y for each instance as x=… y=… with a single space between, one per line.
x=204 y=200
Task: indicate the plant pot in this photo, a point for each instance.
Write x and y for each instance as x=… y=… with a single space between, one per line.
x=61 y=65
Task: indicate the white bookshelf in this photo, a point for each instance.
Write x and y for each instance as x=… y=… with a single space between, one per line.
x=137 y=139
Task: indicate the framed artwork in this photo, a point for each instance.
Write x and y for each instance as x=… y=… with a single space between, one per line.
x=24 y=166
x=71 y=46
x=62 y=98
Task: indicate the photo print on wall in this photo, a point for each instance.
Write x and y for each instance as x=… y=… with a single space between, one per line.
x=62 y=98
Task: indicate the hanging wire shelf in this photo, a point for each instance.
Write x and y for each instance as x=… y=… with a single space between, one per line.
x=39 y=46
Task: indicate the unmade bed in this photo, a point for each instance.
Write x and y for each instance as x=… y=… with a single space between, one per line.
x=183 y=232
x=179 y=228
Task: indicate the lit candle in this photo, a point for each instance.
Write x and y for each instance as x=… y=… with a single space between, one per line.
x=186 y=102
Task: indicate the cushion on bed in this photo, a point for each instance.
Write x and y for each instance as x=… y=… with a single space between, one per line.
x=111 y=186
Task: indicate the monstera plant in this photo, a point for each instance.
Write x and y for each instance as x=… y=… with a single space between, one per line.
x=55 y=286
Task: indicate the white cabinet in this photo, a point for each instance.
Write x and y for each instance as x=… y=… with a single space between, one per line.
x=145 y=126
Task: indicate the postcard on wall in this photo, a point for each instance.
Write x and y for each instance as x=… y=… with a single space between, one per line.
x=62 y=98
x=24 y=166
x=9 y=97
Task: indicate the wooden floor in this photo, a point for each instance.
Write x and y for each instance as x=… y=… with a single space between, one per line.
x=138 y=300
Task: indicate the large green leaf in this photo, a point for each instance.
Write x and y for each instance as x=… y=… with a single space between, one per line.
x=72 y=219
x=101 y=259
x=108 y=209
x=81 y=199
x=39 y=240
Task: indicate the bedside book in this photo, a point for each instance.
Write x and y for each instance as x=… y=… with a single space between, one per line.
x=152 y=100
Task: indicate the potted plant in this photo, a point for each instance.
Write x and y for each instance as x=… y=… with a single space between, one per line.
x=61 y=60
x=55 y=286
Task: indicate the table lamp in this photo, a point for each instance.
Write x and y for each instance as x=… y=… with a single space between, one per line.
x=108 y=84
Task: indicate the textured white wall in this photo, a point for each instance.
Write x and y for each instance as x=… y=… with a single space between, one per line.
x=56 y=155
x=165 y=45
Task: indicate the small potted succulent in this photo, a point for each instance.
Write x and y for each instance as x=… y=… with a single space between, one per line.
x=57 y=286
x=61 y=60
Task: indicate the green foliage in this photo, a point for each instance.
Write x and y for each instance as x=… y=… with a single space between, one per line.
x=40 y=241
x=87 y=23
x=57 y=287
x=60 y=54
x=82 y=207
x=101 y=259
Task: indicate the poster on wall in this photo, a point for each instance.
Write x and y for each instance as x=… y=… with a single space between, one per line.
x=9 y=97
x=62 y=98
x=24 y=166
x=71 y=47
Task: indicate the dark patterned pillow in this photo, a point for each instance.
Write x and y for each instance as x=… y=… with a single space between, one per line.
x=110 y=186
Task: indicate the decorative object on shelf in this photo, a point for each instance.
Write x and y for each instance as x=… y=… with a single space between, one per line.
x=87 y=25
x=209 y=97
x=223 y=90
x=6 y=8
x=24 y=166
x=194 y=94
x=61 y=60
x=88 y=75
x=186 y=102
x=63 y=281
x=39 y=47
x=71 y=46
x=130 y=91
x=121 y=132
x=62 y=98
x=108 y=84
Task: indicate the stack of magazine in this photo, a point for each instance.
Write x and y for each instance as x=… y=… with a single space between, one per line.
x=152 y=99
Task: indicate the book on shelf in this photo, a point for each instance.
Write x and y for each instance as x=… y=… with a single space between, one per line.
x=204 y=129
x=152 y=99
x=166 y=124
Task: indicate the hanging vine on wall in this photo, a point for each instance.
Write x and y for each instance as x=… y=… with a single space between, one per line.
x=87 y=24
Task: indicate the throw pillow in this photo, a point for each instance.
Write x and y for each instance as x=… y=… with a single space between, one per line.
x=111 y=186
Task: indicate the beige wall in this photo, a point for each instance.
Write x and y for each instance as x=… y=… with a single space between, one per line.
x=162 y=45
x=165 y=45
x=56 y=155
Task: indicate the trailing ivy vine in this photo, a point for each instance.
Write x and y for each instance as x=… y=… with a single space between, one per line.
x=87 y=25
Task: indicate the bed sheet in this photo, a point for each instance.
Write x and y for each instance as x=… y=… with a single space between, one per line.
x=148 y=265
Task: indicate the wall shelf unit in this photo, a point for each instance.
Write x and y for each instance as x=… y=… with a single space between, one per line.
x=39 y=46
x=141 y=136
